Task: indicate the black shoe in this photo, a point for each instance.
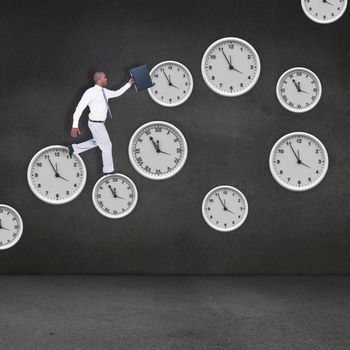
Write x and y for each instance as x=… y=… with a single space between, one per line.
x=111 y=173
x=70 y=150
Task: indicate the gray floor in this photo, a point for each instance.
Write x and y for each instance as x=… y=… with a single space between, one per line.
x=174 y=312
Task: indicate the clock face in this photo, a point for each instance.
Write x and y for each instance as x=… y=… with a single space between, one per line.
x=172 y=83
x=324 y=11
x=225 y=208
x=11 y=227
x=298 y=90
x=54 y=177
x=298 y=161
x=114 y=196
x=158 y=150
x=230 y=67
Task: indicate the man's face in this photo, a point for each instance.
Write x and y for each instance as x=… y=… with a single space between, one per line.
x=102 y=81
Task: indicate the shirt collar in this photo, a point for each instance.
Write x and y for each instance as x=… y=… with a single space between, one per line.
x=98 y=87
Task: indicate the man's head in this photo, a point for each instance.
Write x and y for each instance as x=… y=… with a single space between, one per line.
x=100 y=78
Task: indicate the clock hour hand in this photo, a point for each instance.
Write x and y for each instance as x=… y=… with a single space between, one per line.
x=58 y=175
x=302 y=163
x=62 y=178
x=171 y=84
x=114 y=192
x=327 y=2
x=230 y=66
x=158 y=149
x=227 y=208
x=2 y=227
x=234 y=67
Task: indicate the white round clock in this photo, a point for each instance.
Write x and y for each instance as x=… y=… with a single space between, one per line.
x=158 y=150
x=114 y=196
x=230 y=66
x=11 y=226
x=225 y=208
x=298 y=90
x=54 y=177
x=324 y=11
x=172 y=83
x=298 y=161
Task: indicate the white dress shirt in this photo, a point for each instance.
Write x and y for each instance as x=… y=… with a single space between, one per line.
x=93 y=97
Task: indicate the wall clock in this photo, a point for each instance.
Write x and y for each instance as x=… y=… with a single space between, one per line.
x=54 y=177
x=298 y=161
x=172 y=83
x=158 y=150
x=225 y=208
x=114 y=196
x=230 y=66
x=11 y=226
x=298 y=90
x=324 y=11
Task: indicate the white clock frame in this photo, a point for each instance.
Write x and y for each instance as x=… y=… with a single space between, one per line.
x=258 y=68
x=189 y=92
x=290 y=187
x=15 y=241
x=32 y=187
x=282 y=102
x=100 y=210
x=320 y=21
x=170 y=174
x=234 y=189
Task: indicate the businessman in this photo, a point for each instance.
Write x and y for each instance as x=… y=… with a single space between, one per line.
x=97 y=98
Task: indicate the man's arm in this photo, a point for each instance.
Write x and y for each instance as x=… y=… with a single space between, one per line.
x=84 y=101
x=119 y=92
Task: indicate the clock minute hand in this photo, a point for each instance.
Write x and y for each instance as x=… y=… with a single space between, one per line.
x=169 y=82
x=296 y=156
x=154 y=144
x=229 y=63
x=52 y=166
x=296 y=85
x=222 y=202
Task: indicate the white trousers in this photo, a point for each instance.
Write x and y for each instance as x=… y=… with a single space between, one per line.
x=100 y=138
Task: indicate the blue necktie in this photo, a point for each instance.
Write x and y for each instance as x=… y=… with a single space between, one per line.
x=105 y=97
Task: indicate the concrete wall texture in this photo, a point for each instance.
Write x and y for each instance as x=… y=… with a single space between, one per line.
x=49 y=51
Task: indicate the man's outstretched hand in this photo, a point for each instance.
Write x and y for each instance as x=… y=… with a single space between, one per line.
x=74 y=132
x=131 y=81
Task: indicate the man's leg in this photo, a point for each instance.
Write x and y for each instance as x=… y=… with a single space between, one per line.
x=84 y=146
x=101 y=137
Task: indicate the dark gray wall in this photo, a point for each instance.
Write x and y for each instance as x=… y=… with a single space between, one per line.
x=49 y=50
